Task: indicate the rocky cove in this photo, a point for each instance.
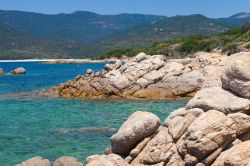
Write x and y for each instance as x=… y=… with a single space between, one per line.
x=212 y=129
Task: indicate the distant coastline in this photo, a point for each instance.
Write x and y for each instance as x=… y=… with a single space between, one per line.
x=60 y=61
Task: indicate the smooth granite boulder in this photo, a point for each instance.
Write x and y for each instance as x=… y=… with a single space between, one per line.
x=138 y=126
x=238 y=155
x=19 y=70
x=36 y=161
x=207 y=136
x=218 y=99
x=67 y=161
x=236 y=75
x=106 y=160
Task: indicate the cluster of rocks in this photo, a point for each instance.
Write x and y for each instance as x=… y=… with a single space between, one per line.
x=153 y=77
x=19 y=70
x=212 y=129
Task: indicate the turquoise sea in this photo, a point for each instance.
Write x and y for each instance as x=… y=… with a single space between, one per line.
x=54 y=127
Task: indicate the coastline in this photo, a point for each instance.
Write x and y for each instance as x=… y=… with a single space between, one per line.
x=58 y=61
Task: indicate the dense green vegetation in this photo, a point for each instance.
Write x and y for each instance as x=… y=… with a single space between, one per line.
x=229 y=42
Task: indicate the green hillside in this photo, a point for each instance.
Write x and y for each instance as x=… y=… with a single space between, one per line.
x=168 y=28
x=229 y=42
x=86 y=27
x=18 y=45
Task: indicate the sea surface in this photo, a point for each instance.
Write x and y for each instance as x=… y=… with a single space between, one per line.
x=54 y=127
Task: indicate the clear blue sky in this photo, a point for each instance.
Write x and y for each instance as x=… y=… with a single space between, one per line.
x=211 y=8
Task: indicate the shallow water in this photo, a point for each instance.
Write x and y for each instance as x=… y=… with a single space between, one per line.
x=54 y=127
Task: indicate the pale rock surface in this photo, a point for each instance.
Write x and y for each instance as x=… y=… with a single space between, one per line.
x=158 y=150
x=138 y=126
x=236 y=75
x=209 y=132
x=238 y=155
x=179 y=120
x=106 y=160
x=36 y=161
x=219 y=99
x=67 y=161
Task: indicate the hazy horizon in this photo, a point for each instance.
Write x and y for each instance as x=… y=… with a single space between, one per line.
x=212 y=8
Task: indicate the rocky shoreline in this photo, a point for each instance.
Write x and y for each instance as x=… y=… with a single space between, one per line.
x=212 y=129
x=151 y=77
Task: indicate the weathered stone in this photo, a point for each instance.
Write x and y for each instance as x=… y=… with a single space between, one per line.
x=36 y=161
x=138 y=126
x=218 y=99
x=109 y=160
x=210 y=131
x=157 y=150
x=180 y=120
x=236 y=75
x=137 y=150
x=238 y=155
x=242 y=122
x=67 y=161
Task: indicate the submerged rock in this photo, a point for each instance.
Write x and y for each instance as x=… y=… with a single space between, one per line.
x=36 y=161
x=1 y=71
x=19 y=70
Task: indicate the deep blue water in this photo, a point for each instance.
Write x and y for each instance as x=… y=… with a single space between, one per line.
x=53 y=127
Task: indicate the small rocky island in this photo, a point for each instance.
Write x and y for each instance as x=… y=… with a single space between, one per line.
x=212 y=129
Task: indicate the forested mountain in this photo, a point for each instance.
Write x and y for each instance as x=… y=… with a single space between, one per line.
x=81 y=34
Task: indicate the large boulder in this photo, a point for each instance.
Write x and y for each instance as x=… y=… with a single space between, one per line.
x=236 y=76
x=238 y=155
x=219 y=99
x=19 y=70
x=138 y=126
x=36 y=161
x=67 y=161
x=106 y=160
x=207 y=136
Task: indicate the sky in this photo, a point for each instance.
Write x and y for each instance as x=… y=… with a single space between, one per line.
x=210 y=8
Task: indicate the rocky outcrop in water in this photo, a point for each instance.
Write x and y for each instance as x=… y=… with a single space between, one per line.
x=19 y=70
x=154 y=77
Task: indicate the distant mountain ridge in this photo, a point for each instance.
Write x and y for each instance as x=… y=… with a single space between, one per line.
x=80 y=26
x=81 y=33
